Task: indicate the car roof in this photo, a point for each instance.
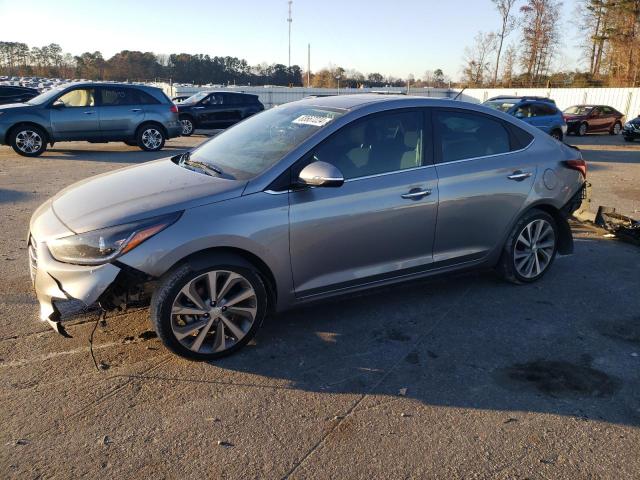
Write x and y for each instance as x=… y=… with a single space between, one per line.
x=355 y=101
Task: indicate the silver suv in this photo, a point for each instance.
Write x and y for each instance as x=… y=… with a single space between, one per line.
x=308 y=200
x=96 y=112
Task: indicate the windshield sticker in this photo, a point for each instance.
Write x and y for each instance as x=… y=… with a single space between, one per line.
x=313 y=120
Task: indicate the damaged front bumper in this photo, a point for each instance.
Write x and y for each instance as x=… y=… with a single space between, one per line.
x=62 y=289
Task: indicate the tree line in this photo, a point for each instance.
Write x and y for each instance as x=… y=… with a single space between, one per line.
x=18 y=59
x=528 y=41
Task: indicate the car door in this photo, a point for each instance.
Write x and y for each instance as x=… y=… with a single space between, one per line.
x=597 y=121
x=74 y=115
x=543 y=116
x=119 y=111
x=380 y=223
x=485 y=176
x=609 y=117
x=207 y=110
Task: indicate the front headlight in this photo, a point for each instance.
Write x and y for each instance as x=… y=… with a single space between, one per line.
x=102 y=246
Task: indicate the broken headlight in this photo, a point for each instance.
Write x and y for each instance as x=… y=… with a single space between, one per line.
x=102 y=246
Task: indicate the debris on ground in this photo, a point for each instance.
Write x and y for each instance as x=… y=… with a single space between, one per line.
x=225 y=444
x=623 y=227
x=106 y=440
x=22 y=441
x=103 y=365
x=405 y=415
x=402 y=392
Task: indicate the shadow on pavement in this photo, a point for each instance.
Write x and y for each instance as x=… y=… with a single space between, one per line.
x=469 y=341
x=133 y=155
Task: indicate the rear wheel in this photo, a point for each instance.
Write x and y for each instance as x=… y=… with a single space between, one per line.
x=209 y=313
x=150 y=138
x=557 y=134
x=582 y=129
x=28 y=141
x=187 y=126
x=617 y=128
x=530 y=248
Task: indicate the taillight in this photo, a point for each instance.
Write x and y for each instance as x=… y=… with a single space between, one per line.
x=173 y=109
x=579 y=165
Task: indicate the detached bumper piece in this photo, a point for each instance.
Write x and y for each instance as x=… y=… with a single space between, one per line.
x=623 y=227
x=64 y=290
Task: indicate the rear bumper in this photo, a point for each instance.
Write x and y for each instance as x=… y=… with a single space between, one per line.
x=174 y=131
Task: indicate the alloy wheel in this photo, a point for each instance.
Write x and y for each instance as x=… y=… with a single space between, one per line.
x=555 y=134
x=583 y=130
x=616 y=129
x=28 y=141
x=187 y=126
x=214 y=311
x=151 y=138
x=534 y=248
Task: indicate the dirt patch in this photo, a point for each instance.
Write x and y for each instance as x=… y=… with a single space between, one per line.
x=627 y=330
x=560 y=378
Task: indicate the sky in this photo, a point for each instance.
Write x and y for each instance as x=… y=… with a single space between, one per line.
x=392 y=37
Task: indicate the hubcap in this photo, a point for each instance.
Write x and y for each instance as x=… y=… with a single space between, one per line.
x=583 y=129
x=534 y=248
x=187 y=126
x=214 y=311
x=151 y=138
x=28 y=141
x=616 y=129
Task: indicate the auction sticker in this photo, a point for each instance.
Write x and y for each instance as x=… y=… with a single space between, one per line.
x=313 y=120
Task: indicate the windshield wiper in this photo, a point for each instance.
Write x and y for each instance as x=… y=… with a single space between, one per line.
x=205 y=167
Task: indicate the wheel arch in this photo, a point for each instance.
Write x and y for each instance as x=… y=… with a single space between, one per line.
x=203 y=258
x=152 y=122
x=565 y=242
x=11 y=130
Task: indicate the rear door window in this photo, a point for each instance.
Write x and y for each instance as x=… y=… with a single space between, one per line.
x=543 y=110
x=117 y=96
x=464 y=135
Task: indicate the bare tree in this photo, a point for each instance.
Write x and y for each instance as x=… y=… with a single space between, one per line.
x=509 y=65
x=478 y=58
x=508 y=24
x=540 y=37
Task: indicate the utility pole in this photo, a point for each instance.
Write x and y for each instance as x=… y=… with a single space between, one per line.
x=308 y=65
x=289 y=20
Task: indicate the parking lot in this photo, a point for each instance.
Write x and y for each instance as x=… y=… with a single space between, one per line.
x=461 y=377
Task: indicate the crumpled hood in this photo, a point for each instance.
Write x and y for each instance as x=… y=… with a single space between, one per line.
x=138 y=192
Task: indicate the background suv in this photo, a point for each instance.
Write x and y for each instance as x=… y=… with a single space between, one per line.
x=216 y=110
x=537 y=111
x=96 y=112
x=583 y=119
x=15 y=94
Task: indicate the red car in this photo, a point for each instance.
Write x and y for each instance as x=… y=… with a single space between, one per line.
x=583 y=119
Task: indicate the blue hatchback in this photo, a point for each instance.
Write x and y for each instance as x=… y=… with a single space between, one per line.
x=537 y=111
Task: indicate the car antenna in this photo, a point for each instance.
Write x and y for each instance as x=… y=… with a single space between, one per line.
x=460 y=93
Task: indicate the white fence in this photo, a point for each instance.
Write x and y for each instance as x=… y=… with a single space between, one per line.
x=626 y=100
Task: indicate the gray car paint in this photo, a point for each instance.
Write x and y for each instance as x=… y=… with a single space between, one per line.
x=87 y=123
x=320 y=242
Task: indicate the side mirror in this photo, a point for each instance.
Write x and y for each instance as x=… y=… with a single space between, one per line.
x=320 y=174
x=58 y=104
x=519 y=115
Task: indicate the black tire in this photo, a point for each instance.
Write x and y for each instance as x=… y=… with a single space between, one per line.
x=28 y=140
x=507 y=264
x=582 y=130
x=617 y=126
x=188 y=126
x=150 y=137
x=169 y=289
x=557 y=134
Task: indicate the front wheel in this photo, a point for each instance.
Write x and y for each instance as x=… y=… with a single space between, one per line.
x=29 y=141
x=557 y=134
x=209 y=313
x=582 y=129
x=530 y=248
x=150 y=138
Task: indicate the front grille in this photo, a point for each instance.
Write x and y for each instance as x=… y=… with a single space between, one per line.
x=33 y=258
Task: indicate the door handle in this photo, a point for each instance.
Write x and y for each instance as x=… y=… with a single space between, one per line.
x=88 y=112
x=136 y=109
x=518 y=175
x=198 y=108
x=416 y=194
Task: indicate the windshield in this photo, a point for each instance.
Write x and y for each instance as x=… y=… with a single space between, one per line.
x=256 y=144
x=196 y=97
x=578 y=110
x=46 y=96
x=502 y=105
